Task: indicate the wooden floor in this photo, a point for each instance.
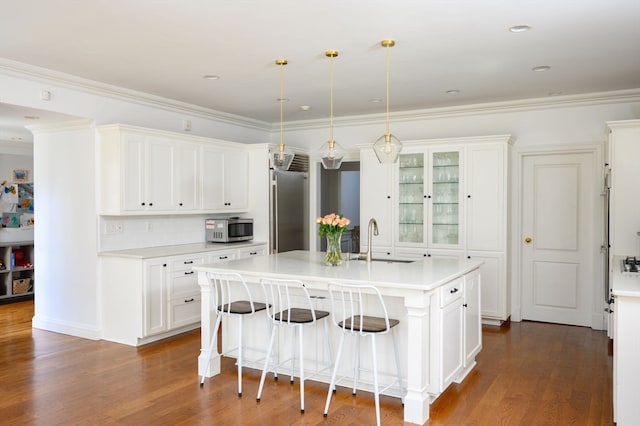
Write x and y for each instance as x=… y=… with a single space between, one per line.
x=527 y=374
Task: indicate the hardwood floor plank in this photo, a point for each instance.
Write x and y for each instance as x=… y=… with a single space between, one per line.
x=527 y=374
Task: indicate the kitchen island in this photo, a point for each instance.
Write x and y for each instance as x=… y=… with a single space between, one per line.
x=436 y=300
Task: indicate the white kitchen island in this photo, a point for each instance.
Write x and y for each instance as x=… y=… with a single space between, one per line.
x=436 y=300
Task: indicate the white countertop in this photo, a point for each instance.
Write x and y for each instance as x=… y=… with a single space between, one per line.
x=624 y=284
x=420 y=275
x=178 y=249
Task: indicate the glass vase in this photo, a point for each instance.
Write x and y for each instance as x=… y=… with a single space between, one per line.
x=334 y=251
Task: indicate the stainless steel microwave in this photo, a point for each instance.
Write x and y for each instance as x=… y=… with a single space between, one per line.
x=228 y=230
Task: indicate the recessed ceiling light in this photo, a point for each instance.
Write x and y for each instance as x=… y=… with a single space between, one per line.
x=555 y=93
x=211 y=77
x=282 y=99
x=305 y=107
x=32 y=117
x=541 y=68
x=375 y=100
x=15 y=138
x=519 y=28
x=452 y=92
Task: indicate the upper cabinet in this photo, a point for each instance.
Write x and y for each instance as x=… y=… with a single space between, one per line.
x=444 y=198
x=146 y=171
x=225 y=183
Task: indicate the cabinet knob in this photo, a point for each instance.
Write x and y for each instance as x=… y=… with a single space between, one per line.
x=425 y=196
x=468 y=257
x=150 y=204
x=428 y=196
x=468 y=196
x=142 y=204
x=164 y=265
x=464 y=305
x=528 y=240
x=180 y=204
x=388 y=197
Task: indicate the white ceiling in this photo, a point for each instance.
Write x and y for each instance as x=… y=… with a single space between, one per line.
x=165 y=47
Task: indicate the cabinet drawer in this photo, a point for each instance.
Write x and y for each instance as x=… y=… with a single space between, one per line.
x=220 y=256
x=186 y=263
x=252 y=251
x=451 y=291
x=184 y=311
x=183 y=283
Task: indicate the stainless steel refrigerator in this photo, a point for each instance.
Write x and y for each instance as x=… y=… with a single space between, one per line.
x=289 y=216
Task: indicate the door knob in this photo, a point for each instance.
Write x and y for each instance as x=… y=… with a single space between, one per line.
x=528 y=240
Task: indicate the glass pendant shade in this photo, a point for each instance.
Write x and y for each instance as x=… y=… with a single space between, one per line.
x=387 y=148
x=331 y=154
x=281 y=158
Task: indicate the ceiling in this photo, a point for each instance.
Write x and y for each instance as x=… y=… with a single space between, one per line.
x=165 y=47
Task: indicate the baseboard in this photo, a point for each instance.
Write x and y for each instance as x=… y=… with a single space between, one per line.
x=64 y=327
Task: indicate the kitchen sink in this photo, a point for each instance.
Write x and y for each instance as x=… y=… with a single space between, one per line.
x=387 y=260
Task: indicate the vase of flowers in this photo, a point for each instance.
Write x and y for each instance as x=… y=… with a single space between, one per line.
x=332 y=226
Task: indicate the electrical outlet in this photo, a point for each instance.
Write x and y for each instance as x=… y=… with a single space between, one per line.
x=119 y=228
x=110 y=228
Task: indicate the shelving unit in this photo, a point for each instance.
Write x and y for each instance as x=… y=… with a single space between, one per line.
x=16 y=275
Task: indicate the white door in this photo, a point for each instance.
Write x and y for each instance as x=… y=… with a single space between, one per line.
x=558 y=237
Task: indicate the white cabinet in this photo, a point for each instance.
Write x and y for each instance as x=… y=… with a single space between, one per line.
x=448 y=197
x=144 y=171
x=472 y=321
x=375 y=199
x=447 y=328
x=147 y=299
x=154 y=289
x=16 y=270
x=624 y=220
x=225 y=182
x=183 y=291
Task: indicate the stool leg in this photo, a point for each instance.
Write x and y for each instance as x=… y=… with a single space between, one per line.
x=356 y=365
x=266 y=362
x=293 y=356
x=239 y=360
x=213 y=345
x=301 y=343
x=332 y=385
x=375 y=378
x=399 y=370
x=328 y=337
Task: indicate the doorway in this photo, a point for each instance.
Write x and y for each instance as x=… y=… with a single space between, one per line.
x=558 y=234
x=340 y=193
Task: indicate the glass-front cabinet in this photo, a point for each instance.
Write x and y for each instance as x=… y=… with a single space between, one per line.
x=429 y=198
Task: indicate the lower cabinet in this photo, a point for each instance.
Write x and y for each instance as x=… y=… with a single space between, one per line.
x=457 y=331
x=16 y=271
x=144 y=300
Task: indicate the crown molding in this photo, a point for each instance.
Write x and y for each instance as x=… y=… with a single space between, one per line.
x=531 y=104
x=21 y=70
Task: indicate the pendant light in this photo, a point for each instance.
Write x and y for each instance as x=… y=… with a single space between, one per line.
x=387 y=147
x=282 y=157
x=331 y=153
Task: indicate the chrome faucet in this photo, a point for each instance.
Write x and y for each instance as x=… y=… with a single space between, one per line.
x=373 y=225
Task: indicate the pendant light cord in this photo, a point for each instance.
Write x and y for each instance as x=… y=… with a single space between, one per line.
x=388 y=56
x=331 y=103
x=281 y=147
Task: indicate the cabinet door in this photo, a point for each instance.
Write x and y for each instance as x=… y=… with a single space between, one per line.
x=411 y=199
x=212 y=165
x=134 y=167
x=452 y=343
x=485 y=193
x=225 y=181
x=445 y=214
x=236 y=183
x=376 y=189
x=155 y=297
x=160 y=184
x=187 y=177
x=472 y=321
x=493 y=292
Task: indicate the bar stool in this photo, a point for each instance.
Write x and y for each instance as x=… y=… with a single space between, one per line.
x=222 y=284
x=290 y=305
x=348 y=313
